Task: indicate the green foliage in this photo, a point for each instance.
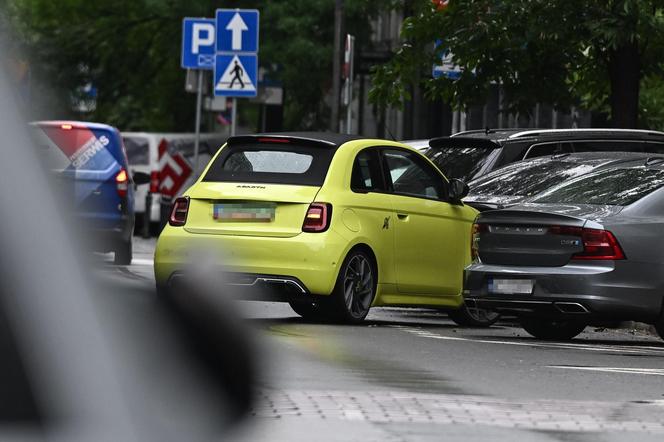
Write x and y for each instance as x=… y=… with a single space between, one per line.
x=551 y=51
x=130 y=51
x=300 y=49
x=652 y=103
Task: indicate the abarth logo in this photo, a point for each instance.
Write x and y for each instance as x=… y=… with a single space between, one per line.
x=386 y=223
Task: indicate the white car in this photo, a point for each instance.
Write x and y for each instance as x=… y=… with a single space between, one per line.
x=143 y=155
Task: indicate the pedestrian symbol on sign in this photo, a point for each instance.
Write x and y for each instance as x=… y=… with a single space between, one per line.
x=235 y=75
x=237 y=72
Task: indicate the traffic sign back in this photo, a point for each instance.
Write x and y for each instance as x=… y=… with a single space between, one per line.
x=237 y=30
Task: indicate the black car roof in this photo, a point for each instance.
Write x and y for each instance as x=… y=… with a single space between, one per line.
x=327 y=139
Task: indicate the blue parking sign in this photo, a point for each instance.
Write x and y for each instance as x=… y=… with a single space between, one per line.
x=237 y=30
x=236 y=75
x=198 y=43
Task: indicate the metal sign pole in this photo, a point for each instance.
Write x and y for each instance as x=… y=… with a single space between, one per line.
x=233 y=116
x=199 y=98
x=350 y=48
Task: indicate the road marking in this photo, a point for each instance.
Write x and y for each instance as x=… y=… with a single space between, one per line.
x=142 y=262
x=607 y=348
x=646 y=371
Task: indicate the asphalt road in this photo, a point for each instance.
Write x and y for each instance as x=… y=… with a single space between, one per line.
x=412 y=374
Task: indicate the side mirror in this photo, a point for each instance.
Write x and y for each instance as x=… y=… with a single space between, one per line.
x=141 y=178
x=458 y=190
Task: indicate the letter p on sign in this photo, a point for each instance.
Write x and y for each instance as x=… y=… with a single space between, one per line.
x=202 y=35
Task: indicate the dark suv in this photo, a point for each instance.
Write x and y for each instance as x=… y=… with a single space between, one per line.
x=471 y=154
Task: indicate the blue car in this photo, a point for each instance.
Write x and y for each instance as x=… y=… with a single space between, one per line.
x=90 y=161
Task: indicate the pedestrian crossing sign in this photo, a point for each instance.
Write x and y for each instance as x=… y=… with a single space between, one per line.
x=236 y=75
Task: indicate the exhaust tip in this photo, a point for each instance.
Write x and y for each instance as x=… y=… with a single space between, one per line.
x=571 y=307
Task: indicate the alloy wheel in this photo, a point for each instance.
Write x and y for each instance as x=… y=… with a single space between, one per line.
x=358 y=285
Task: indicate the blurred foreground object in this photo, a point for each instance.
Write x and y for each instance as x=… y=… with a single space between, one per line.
x=81 y=361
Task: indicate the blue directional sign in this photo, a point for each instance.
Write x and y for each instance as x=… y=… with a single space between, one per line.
x=198 y=43
x=446 y=68
x=236 y=75
x=237 y=30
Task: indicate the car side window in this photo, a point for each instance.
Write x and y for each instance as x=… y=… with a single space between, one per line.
x=545 y=149
x=367 y=175
x=411 y=176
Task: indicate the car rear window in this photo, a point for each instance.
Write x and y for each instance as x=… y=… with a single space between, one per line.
x=463 y=163
x=593 y=146
x=616 y=187
x=271 y=163
x=137 y=150
x=530 y=177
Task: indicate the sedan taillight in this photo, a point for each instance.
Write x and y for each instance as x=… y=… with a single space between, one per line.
x=598 y=244
x=317 y=218
x=179 y=212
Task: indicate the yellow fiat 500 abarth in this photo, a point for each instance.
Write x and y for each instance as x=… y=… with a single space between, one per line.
x=332 y=224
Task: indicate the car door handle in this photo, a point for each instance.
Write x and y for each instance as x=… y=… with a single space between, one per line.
x=402 y=215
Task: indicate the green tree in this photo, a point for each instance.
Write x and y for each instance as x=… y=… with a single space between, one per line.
x=130 y=51
x=595 y=53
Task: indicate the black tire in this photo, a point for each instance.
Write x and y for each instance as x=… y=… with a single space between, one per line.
x=552 y=330
x=123 y=253
x=355 y=288
x=313 y=311
x=471 y=316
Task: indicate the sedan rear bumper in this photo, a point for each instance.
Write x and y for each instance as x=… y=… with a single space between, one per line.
x=597 y=291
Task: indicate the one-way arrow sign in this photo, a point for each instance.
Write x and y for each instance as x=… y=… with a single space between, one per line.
x=237 y=30
x=236 y=26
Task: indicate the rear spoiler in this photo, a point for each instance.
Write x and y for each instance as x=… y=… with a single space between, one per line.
x=278 y=138
x=463 y=142
x=526 y=217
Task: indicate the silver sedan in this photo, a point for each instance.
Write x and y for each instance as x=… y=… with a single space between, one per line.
x=587 y=252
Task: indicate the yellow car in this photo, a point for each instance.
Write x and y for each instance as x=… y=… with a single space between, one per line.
x=332 y=224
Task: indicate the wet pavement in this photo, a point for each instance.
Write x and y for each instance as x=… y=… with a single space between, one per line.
x=412 y=374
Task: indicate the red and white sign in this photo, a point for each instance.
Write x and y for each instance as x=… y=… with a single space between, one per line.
x=174 y=170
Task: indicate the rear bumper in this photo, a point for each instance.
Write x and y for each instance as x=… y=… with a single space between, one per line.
x=246 y=286
x=309 y=260
x=610 y=291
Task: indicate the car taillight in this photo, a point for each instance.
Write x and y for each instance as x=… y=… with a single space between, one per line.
x=317 y=218
x=179 y=212
x=154 y=181
x=122 y=183
x=598 y=244
x=475 y=240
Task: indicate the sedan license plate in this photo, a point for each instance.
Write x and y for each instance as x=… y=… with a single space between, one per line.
x=511 y=286
x=244 y=212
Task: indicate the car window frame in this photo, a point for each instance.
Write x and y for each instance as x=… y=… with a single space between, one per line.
x=644 y=143
x=375 y=151
x=422 y=161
